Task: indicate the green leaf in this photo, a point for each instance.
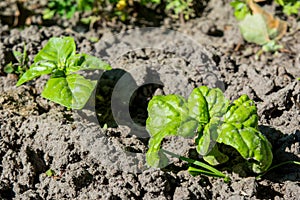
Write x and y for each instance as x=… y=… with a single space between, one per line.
x=280 y=2
x=155 y=156
x=215 y=157
x=69 y=13
x=173 y=115
x=242 y=112
x=85 y=62
x=207 y=106
x=240 y=9
x=271 y=46
x=18 y=55
x=291 y=8
x=57 y=50
x=36 y=70
x=50 y=172
x=250 y=143
x=204 y=103
x=254 y=29
x=239 y=130
x=216 y=101
x=168 y=115
x=9 y=68
x=71 y=92
x=208 y=138
x=48 y=14
x=85 y=5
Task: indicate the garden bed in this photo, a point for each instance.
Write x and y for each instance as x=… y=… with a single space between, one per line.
x=92 y=161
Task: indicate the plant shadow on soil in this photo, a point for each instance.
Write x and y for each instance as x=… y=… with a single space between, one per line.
x=280 y=144
x=120 y=101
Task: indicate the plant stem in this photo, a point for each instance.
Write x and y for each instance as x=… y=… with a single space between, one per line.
x=211 y=170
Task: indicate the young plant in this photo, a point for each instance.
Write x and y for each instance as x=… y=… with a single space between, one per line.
x=65 y=87
x=258 y=26
x=213 y=120
x=22 y=65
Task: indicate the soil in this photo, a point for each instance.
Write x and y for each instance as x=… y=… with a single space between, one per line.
x=92 y=160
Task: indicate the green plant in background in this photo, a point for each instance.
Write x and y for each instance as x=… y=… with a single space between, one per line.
x=289 y=6
x=209 y=116
x=22 y=65
x=58 y=58
x=66 y=7
x=183 y=8
x=258 y=26
x=240 y=9
x=180 y=8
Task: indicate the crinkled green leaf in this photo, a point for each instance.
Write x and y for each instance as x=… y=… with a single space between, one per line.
x=36 y=70
x=254 y=29
x=208 y=137
x=207 y=106
x=250 y=143
x=205 y=103
x=198 y=107
x=57 y=50
x=216 y=102
x=173 y=115
x=168 y=115
x=242 y=112
x=72 y=91
x=85 y=62
x=239 y=130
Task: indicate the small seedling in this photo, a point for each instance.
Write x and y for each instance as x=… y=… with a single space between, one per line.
x=258 y=26
x=213 y=120
x=65 y=87
x=22 y=65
